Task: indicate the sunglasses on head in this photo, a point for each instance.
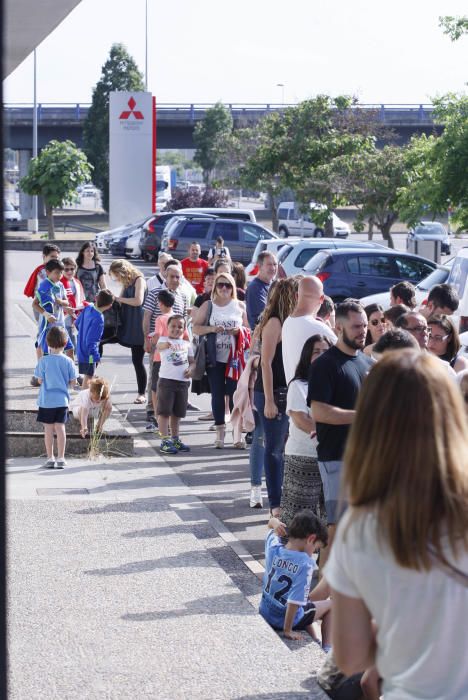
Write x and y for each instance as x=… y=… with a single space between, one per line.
x=376 y=321
x=226 y=285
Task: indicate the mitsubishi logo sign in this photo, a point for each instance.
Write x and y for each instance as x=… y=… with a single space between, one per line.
x=126 y=114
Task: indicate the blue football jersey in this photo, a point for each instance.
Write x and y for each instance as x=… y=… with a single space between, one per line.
x=287 y=579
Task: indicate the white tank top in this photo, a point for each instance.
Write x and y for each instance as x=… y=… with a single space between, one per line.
x=229 y=316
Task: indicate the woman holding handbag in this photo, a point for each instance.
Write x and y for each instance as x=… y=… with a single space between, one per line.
x=226 y=320
x=270 y=394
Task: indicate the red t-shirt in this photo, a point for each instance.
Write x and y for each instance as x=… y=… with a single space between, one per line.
x=194 y=272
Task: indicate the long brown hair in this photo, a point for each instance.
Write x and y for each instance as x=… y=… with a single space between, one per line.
x=280 y=304
x=449 y=328
x=407 y=457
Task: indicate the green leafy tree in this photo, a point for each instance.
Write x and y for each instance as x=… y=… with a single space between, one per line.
x=120 y=72
x=438 y=167
x=55 y=174
x=454 y=27
x=188 y=199
x=369 y=180
x=208 y=134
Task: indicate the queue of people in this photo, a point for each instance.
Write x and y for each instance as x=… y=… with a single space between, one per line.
x=359 y=425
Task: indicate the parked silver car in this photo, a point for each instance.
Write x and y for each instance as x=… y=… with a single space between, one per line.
x=430 y=231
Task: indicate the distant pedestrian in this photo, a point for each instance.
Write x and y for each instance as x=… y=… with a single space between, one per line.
x=90 y=271
x=51 y=303
x=403 y=293
x=174 y=379
x=376 y=328
x=326 y=313
x=257 y=291
x=56 y=374
x=302 y=483
x=219 y=251
x=335 y=380
x=75 y=296
x=130 y=332
x=394 y=339
x=194 y=267
x=289 y=567
x=90 y=327
x=442 y=300
x=208 y=282
x=95 y=402
x=393 y=313
x=238 y=272
x=444 y=341
x=302 y=323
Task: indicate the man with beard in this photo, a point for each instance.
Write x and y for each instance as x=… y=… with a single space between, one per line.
x=335 y=379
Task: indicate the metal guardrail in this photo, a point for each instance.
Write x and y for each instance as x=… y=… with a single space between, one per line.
x=49 y=112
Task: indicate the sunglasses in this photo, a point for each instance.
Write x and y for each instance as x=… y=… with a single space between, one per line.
x=377 y=321
x=226 y=285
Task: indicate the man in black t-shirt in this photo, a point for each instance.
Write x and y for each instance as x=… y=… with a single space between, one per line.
x=335 y=379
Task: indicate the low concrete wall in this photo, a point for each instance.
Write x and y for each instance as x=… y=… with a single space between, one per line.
x=69 y=245
x=24 y=436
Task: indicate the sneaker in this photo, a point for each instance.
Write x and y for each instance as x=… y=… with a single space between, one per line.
x=34 y=382
x=249 y=438
x=151 y=425
x=60 y=464
x=167 y=447
x=209 y=416
x=179 y=445
x=256 y=500
x=50 y=464
x=192 y=407
x=79 y=380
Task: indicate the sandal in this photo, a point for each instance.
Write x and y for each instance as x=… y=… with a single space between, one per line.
x=140 y=399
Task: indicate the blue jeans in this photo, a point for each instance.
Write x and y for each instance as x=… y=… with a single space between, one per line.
x=220 y=386
x=267 y=450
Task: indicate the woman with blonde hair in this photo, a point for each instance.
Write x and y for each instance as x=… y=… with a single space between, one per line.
x=398 y=567
x=224 y=318
x=270 y=395
x=130 y=330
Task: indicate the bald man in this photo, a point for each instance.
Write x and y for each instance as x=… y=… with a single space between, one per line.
x=303 y=323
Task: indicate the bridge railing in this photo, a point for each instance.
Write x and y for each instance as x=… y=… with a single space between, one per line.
x=49 y=112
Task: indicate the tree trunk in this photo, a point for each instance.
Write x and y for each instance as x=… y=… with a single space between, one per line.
x=370 y=231
x=329 y=228
x=274 y=211
x=385 y=231
x=50 y=222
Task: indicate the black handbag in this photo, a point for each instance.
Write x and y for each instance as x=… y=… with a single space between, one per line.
x=112 y=320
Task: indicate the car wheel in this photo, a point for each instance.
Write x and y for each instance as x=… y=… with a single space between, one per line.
x=283 y=232
x=318 y=233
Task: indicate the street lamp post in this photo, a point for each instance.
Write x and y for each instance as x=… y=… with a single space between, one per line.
x=34 y=226
x=281 y=85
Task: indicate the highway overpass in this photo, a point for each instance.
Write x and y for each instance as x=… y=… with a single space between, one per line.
x=175 y=122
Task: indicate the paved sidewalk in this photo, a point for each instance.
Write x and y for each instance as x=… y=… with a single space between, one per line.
x=124 y=583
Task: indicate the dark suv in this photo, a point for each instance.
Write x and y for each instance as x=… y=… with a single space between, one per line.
x=241 y=237
x=357 y=272
x=153 y=229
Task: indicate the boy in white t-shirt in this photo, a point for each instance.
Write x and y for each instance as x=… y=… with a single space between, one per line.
x=174 y=378
x=94 y=401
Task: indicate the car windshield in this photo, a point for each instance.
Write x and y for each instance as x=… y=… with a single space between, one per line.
x=8 y=206
x=439 y=276
x=430 y=228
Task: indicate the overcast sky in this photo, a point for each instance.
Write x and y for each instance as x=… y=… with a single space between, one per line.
x=210 y=50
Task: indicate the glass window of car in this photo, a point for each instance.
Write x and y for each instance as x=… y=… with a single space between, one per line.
x=431 y=229
x=353 y=265
x=411 y=269
x=458 y=275
x=304 y=256
x=253 y=234
x=320 y=260
x=195 y=229
x=229 y=231
x=283 y=213
x=376 y=265
x=437 y=276
x=284 y=252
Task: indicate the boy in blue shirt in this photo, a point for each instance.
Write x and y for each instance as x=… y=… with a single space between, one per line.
x=56 y=374
x=286 y=603
x=90 y=326
x=51 y=302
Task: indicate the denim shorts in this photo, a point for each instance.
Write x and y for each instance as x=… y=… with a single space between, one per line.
x=331 y=478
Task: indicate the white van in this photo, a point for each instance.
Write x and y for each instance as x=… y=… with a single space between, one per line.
x=292 y=223
x=231 y=213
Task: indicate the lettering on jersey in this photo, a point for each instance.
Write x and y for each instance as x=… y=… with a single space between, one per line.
x=285 y=564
